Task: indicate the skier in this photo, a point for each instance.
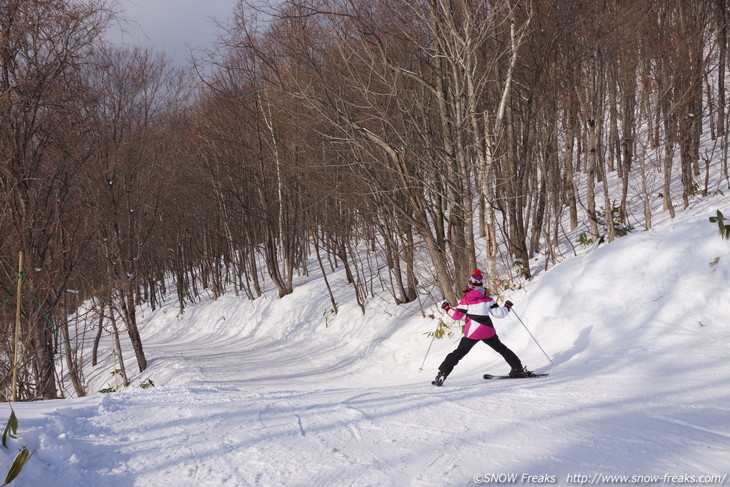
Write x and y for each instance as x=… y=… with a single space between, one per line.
x=476 y=306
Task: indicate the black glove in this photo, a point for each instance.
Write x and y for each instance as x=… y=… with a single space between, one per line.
x=508 y=304
x=446 y=306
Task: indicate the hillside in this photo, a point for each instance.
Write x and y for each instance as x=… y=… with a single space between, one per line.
x=271 y=393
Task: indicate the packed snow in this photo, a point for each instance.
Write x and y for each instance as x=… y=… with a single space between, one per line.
x=277 y=392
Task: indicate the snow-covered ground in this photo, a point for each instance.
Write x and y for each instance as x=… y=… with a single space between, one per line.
x=272 y=393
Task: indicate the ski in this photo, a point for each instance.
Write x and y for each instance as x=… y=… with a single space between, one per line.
x=495 y=377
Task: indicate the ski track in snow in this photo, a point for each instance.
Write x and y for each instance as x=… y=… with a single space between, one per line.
x=268 y=394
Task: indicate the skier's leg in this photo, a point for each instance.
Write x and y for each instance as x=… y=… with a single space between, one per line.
x=454 y=357
x=509 y=356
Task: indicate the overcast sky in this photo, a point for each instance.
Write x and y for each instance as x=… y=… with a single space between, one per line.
x=173 y=26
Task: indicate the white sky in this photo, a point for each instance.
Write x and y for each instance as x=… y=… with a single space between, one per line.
x=173 y=26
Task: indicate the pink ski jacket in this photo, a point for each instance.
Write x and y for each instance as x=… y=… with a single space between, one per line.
x=477 y=307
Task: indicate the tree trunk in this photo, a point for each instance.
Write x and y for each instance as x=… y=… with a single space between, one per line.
x=129 y=315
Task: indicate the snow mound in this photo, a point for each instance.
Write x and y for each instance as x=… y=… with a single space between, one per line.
x=276 y=392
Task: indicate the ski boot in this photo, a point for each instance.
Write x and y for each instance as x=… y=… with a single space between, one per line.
x=520 y=373
x=439 y=380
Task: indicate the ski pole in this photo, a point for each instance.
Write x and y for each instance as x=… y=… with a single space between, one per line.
x=420 y=369
x=533 y=336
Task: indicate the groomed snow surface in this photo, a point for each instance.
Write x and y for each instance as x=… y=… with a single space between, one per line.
x=274 y=393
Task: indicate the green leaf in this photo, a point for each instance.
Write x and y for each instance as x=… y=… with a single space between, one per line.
x=719 y=218
x=18 y=464
x=11 y=426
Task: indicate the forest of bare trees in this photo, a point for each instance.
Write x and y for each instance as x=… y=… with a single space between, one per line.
x=401 y=142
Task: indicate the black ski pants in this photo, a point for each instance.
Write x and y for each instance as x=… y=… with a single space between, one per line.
x=466 y=344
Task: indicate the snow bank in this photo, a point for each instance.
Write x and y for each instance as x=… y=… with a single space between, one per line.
x=272 y=392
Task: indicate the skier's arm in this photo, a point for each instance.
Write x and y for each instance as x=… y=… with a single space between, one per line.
x=453 y=313
x=500 y=311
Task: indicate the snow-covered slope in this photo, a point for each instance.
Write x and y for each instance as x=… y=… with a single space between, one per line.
x=271 y=392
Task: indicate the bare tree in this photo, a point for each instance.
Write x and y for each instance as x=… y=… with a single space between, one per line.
x=43 y=45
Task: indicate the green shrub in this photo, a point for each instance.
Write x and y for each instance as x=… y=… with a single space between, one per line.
x=442 y=330
x=720 y=220
x=11 y=429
